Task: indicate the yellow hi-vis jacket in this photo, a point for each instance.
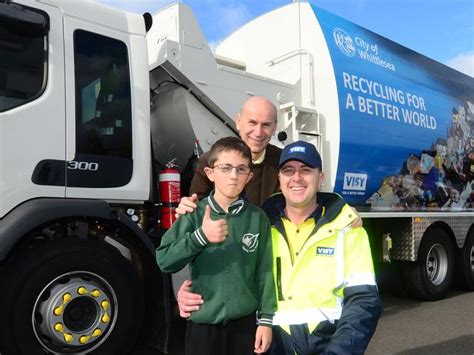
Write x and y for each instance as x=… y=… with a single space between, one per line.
x=330 y=283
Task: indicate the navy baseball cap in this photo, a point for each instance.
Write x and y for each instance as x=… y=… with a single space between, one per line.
x=302 y=151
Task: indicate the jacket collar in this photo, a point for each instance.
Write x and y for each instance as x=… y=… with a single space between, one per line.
x=331 y=203
x=234 y=208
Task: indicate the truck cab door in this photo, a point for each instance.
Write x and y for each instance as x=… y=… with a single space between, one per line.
x=32 y=107
x=106 y=159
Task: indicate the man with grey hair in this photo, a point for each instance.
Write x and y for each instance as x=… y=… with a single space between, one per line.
x=256 y=123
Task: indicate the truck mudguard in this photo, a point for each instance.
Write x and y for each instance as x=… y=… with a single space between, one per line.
x=36 y=212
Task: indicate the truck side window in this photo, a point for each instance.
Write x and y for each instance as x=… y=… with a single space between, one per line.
x=23 y=55
x=103 y=102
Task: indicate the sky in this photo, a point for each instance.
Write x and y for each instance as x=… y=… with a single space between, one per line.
x=440 y=29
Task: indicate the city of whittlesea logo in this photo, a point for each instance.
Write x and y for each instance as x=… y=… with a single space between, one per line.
x=250 y=242
x=344 y=41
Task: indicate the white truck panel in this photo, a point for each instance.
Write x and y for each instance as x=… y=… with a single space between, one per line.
x=176 y=38
x=297 y=53
x=99 y=14
x=34 y=131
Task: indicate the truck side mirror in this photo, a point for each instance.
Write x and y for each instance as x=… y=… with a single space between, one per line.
x=148 y=20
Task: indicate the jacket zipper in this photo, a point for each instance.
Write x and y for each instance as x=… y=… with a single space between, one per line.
x=278 y=277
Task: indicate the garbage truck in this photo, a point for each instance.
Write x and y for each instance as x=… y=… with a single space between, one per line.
x=114 y=107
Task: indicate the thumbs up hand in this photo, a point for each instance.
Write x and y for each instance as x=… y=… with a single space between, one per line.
x=215 y=231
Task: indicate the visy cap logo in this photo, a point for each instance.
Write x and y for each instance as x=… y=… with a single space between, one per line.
x=344 y=42
x=298 y=149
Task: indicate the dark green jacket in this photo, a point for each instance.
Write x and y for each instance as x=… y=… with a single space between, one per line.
x=234 y=277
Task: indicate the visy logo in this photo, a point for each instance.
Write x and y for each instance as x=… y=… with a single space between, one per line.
x=297 y=149
x=344 y=41
x=324 y=251
x=355 y=181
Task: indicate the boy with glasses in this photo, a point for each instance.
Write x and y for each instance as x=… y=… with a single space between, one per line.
x=227 y=243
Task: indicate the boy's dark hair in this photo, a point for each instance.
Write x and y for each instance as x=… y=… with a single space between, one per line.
x=228 y=144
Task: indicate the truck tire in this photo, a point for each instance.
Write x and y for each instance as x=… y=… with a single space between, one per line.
x=431 y=276
x=466 y=263
x=70 y=296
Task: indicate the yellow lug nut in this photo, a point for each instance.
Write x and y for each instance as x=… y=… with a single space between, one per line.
x=67 y=297
x=97 y=332
x=95 y=293
x=82 y=290
x=105 y=318
x=58 y=310
x=59 y=327
x=105 y=304
x=84 y=339
x=68 y=337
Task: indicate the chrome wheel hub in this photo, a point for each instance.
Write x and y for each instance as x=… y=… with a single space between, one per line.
x=75 y=312
x=437 y=264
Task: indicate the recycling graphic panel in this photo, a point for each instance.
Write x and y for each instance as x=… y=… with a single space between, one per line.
x=406 y=123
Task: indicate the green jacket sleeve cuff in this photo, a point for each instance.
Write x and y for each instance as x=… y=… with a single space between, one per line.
x=199 y=238
x=265 y=320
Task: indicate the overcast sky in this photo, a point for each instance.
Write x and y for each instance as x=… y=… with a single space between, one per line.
x=440 y=29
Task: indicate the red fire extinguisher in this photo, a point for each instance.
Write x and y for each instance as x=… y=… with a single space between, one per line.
x=170 y=193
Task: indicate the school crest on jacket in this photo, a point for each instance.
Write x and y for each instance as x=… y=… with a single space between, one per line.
x=250 y=242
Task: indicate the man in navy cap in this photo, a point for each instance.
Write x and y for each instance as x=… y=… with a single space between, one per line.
x=327 y=298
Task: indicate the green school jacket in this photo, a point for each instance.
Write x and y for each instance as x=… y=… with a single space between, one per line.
x=235 y=276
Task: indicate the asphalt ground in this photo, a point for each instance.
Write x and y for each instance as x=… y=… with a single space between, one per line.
x=407 y=327
x=412 y=327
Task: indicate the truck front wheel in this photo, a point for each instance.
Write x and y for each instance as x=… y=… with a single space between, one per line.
x=70 y=296
x=431 y=276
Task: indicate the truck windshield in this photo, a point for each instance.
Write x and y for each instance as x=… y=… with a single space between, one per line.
x=22 y=64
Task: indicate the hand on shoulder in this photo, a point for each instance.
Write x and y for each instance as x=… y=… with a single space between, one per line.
x=186 y=205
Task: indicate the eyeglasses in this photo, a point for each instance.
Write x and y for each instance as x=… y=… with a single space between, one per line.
x=227 y=168
x=291 y=170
